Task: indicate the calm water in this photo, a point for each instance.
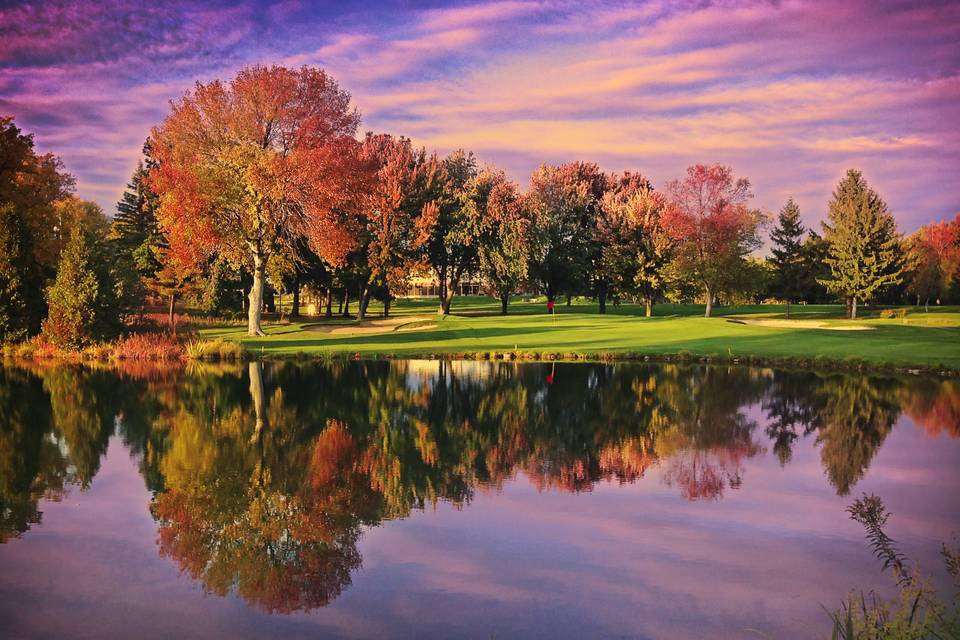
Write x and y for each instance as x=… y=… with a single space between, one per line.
x=432 y=499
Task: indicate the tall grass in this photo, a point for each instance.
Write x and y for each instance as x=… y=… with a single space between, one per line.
x=917 y=611
x=218 y=349
x=148 y=346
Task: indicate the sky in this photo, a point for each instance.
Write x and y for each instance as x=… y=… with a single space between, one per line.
x=790 y=94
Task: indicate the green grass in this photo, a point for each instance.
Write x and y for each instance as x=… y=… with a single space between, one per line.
x=923 y=340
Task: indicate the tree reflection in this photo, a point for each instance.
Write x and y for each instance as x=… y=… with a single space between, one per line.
x=264 y=477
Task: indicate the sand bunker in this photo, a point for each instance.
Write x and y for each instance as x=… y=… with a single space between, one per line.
x=803 y=324
x=376 y=325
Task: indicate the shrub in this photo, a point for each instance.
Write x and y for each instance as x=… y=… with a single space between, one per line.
x=148 y=346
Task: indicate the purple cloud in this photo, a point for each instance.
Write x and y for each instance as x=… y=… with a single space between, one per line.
x=791 y=94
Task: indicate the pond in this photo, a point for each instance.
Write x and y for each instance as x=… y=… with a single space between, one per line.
x=459 y=499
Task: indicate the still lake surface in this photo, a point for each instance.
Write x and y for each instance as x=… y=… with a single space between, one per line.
x=459 y=499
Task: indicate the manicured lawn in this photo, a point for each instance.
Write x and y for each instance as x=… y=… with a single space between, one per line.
x=919 y=339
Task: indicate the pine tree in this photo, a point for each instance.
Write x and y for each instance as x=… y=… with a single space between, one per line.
x=21 y=303
x=787 y=252
x=82 y=300
x=865 y=254
x=134 y=230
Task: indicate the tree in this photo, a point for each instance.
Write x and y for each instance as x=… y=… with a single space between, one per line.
x=935 y=254
x=31 y=185
x=633 y=247
x=713 y=229
x=21 y=304
x=565 y=200
x=82 y=300
x=865 y=254
x=814 y=254
x=248 y=167
x=390 y=236
x=501 y=224
x=445 y=233
x=787 y=250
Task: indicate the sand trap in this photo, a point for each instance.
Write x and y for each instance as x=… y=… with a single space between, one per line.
x=803 y=324
x=377 y=325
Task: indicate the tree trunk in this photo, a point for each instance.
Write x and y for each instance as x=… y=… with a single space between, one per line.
x=788 y=309
x=442 y=291
x=926 y=305
x=386 y=306
x=648 y=306
x=447 y=302
x=853 y=309
x=256 y=296
x=602 y=297
x=295 y=306
x=847 y=310
x=329 y=301
x=364 y=298
x=259 y=400
x=170 y=314
x=504 y=301
x=569 y=300
x=346 y=302
x=709 y=309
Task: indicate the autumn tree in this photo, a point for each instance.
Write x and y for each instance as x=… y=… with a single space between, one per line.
x=446 y=241
x=397 y=196
x=249 y=166
x=713 y=229
x=565 y=201
x=633 y=249
x=935 y=255
x=502 y=227
x=787 y=260
x=30 y=186
x=865 y=255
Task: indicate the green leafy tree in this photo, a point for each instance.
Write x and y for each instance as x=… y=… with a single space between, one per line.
x=633 y=247
x=788 y=259
x=82 y=300
x=21 y=305
x=565 y=200
x=865 y=254
x=502 y=226
x=445 y=231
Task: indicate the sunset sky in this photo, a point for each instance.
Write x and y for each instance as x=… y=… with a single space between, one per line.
x=789 y=93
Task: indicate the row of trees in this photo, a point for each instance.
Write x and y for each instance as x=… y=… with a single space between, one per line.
x=262 y=184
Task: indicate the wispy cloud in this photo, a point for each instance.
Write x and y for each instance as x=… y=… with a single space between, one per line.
x=789 y=93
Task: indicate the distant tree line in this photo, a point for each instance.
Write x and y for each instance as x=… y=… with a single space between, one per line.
x=261 y=186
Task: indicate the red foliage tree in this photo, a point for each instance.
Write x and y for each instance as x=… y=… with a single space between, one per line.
x=713 y=229
x=246 y=168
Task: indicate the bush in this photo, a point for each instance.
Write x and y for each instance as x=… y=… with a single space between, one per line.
x=148 y=346
x=894 y=313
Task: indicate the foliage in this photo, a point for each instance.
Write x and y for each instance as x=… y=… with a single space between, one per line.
x=501 y=223
x=565 y=201
x=935 y=256
x=634 y=249
x=865 y=254
x=248 y=167
x=446 y=237
x=788 y=257
x=713 y=229
x=917 y=611
x=82 y=300
x=21 y=306
x=215 y=350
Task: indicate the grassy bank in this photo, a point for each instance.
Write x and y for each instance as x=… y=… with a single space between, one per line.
x=815 y=335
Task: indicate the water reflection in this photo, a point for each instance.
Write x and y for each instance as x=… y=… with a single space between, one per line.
x=265 y=476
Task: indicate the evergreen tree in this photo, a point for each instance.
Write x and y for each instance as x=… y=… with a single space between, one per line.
x=864 y=253
x=814 y=254
x=82 y=300
x=21 y=279
x=787 y=251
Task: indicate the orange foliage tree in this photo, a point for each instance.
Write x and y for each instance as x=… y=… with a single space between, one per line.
x=246 y=168
x=713 y=229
